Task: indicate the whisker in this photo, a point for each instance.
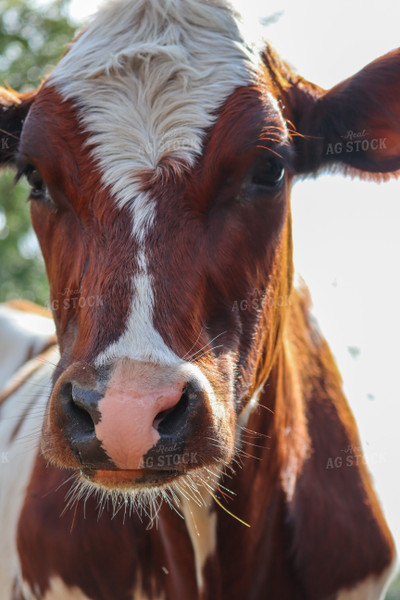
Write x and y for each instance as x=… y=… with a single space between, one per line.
x=197 y=339
x=192 y=357
x=206 y=352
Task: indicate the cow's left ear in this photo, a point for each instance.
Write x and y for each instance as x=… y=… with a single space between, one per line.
x=355 y=125
x=14 y=108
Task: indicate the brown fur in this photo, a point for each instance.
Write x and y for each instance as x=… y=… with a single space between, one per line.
x=314 y=531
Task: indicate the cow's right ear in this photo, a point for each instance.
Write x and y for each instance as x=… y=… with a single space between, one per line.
x=14 y=108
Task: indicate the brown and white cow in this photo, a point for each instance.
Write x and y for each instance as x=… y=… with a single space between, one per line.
x=160 y=155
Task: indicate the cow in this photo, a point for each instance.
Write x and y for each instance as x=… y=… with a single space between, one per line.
x=173 y=445
x=26 y=331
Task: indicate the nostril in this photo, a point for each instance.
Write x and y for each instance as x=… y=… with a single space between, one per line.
x=86 y=424
x=169 y=421
x=82 y=408
x=79 y=418
x=161 y=416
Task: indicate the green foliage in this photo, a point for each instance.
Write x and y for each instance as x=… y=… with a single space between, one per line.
x=32 y=39
x=21 y=265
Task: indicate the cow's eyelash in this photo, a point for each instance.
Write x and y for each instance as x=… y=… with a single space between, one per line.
x=23 y=171
x=38 y=188
x=20 y=174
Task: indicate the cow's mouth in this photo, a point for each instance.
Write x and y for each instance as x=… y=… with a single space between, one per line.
x=144 y=491
x=124 y=479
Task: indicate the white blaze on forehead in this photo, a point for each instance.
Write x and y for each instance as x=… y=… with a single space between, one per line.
x=148 y=76
x=140 y=341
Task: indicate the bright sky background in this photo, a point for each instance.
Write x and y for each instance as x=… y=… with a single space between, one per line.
x=347 y=242
x=346 y=232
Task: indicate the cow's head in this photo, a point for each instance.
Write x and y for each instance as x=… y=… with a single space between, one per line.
x=160 y=155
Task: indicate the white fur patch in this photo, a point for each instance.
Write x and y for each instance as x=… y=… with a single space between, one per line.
x=202 y=529
x=58 y=591
x=27 y=406
x=138 y=594
x=372 y=588
x=21 y=334
x=246 y=413
x=148 y=76
x=140 y=341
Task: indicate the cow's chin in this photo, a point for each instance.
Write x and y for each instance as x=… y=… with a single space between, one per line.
x=144 y=491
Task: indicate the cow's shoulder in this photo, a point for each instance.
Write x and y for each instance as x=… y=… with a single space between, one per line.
x=26 y=330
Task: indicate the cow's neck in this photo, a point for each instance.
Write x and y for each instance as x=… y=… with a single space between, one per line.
x=274 y=444
x=269 y=418
x=285 y=474
x=267 y=350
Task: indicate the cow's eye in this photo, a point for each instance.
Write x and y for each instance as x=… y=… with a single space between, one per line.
x=35 y=180
x=268 y=173
x=38 y=187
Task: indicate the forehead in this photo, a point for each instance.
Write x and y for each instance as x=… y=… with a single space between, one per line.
x=142 y=92
x=147 y=78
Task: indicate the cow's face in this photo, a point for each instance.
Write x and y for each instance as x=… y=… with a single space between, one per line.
x=160 y=159
x=159 y=320
x=162 y=213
